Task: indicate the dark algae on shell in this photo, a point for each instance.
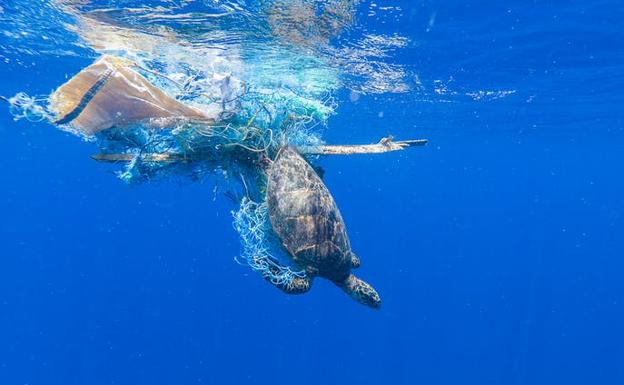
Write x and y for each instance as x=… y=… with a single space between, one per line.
x=305 y=217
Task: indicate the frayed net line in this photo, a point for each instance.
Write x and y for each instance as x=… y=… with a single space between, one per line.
x=27 y=107
x=252 y=223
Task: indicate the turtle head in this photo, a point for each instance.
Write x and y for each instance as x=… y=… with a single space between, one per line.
x=360 y=291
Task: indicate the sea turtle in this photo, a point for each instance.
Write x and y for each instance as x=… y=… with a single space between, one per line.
x=306 y=219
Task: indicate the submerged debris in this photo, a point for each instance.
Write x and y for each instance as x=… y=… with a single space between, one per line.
x=161 y=108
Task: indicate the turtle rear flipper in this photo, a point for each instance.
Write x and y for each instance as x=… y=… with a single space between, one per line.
x=355 y=261
x=297 y=285
x=360 y=291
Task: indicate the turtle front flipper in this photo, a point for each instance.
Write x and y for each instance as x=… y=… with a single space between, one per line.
x=360 y=291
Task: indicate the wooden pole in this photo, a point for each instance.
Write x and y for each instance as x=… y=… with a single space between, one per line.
x=384 y=145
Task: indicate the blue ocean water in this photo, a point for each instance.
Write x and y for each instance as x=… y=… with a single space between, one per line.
x=497 y=248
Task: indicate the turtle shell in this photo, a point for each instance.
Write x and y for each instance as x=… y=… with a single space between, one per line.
x=306 y=218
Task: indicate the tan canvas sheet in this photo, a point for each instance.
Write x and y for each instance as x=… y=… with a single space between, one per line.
x=111 y=93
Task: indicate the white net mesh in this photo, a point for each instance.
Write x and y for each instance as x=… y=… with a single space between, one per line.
x=260 y=249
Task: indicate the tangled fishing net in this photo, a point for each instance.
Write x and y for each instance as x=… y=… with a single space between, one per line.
x=188 y=123
x=22 y=106
x=260 y=246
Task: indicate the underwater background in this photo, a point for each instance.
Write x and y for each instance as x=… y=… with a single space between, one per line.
x=497 y=248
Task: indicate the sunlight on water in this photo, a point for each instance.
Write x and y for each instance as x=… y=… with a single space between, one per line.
x=288 y=35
